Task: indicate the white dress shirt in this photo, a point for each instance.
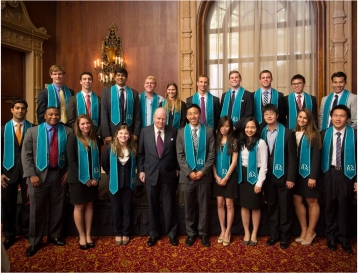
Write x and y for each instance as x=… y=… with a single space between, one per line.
x=334 y=148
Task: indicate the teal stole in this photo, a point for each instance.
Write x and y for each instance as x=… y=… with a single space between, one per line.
x=252 y=170
x=236 y=108
x=113 y=173
x=176 y=115
x=349 y=161
x=292 y=107
x=305 y=157
x=195 y=160
x=222 y=161
x=43 y=153
x=258 y=103
x=83 y=162
x=9 y=143
x=53 y=99
x=327 y=107
x=209 y=107
x=115 y=113
x=82 y=109
x=143 y=108
x=278 y=168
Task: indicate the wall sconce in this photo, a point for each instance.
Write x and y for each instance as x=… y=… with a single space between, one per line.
x=112 y=57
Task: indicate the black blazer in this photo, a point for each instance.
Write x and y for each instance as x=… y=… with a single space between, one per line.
x=183 y=120
x=282 y=111
x=314 y=109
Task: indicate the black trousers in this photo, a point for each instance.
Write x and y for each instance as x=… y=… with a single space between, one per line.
x=121 y=203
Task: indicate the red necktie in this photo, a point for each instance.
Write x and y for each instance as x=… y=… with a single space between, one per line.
x=88 y=105
x=54 y=148
x=160 y=144
x=299 y=104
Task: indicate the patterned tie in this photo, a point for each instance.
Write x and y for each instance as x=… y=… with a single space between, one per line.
x=18 y=133
x=195 y=140
x=231 y=103
x=203 y=111
x=121 y=101
x=338 y=151
x=265 y=98
x=88 y=104
x=299 y=104
x=54 y=148
x=63 y=106
x=160 y=144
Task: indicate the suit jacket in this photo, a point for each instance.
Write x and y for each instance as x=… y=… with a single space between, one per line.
x=314 y=109
x=216 y=106
x=108 y=128
x=185 y=171
x=183 y=120
x=148 y=159
x=247 y=108
x=29 y=153
x=351 y=104
x=42 y=104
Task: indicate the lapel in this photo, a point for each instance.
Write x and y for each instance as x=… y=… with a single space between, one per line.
x=152 y=140
x=167 y=140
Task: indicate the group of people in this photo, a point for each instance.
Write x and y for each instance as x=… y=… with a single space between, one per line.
x=246 y=146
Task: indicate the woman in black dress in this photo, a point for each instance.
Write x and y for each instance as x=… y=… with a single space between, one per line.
x=252 y=169
x=307 y=184
x=83 y=176
x=224 y=168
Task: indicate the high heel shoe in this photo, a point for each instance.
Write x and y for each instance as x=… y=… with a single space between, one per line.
x=253 y=243
x=220 y=240
x=307 y=243
x=298 y=240
x=226 y=243
x=82 y=247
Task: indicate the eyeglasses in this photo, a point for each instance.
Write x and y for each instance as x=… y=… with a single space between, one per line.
x=296 y=83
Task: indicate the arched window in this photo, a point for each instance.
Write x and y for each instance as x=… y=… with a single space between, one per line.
x=251 y=36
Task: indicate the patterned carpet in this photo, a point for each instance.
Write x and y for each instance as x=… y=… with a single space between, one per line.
x=163 y=257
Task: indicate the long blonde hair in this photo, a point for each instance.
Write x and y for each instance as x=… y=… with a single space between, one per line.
x=78 y=132
x=131 y=144
x=177 y=102
x=311 y=130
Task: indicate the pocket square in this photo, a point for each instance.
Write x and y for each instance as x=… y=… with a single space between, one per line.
x=171 y=139
x=242 y=100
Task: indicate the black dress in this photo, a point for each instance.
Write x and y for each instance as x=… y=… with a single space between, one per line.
x=230 y=190
x=79 y=192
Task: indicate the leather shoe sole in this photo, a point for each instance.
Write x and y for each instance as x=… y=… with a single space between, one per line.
x=152 y=241
x=190 y=240
x=271 y=242
x=58 y=242
x=205 y=240
x=332 y=245
x=174 y=241
x=31 y=251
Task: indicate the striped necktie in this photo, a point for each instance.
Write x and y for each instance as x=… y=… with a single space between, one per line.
x=338 y=151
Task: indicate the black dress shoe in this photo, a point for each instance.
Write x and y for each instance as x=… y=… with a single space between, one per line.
x=31 y=251
x=284 y=244
x=91 y=245
x=152 y=241
x=174 y=240
x=347 y=247
x=205 y=240
x=190 y=240
x=332 y=245
x=9 y=242
x=271 y=241
x=58 y=241
x=83 y=247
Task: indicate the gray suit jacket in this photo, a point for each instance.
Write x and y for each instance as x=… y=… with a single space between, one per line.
x=185 y=171
x=29 y=152
x=351 y=104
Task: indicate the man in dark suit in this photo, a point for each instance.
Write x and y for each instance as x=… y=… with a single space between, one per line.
x=209 y=104
x=339 y=159
x=12 y=134
x=55 y=95
x=237 y=103
x=158 y=169
x=280 y=177
x=196 y=154
x=120 y=105
x=297 y=100
x=45 y=167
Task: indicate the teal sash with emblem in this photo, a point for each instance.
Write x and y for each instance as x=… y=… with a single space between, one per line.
x=327 y=107
x=236 y=108
x=115 y=113
x=209 y=108
x=53 y=99
x=143 y=108
x=258 y=103
x=252 y=170
x=195 y=161
x=83 y=162
x=82 y=109
x=305 y=157
x=292 y=107
x=222 y=161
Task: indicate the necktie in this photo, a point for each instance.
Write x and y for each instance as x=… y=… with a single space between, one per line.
x=195 y=140
x=160 y=144
x=121 y=101
x=203 y=112
x=18 y=133
x=88 y=104
x=335 y=102
x=54 y=148
x=231 y=103
x=338 y=150
x=299 y=104
x=265 y=98
x=63 y=106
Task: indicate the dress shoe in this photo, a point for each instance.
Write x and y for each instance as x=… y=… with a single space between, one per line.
x=174 y=240
x=308 y=243
x=83 y=247
x=271 y=241
x=226 y=243
x=9 y=242
x=152 y=241
x=347 y=247
x=190 y=240
x=91 y=245
x=125 y=240
x=332 y=245
x=58 y=241
x=31 y=251
x=284 y=244
x=253 y=243
x=205 y=241
x=298 y=240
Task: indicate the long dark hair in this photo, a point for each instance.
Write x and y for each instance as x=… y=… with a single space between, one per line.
x=244 y=140
x=311 y=130
x=78 y=133
x=230 y=137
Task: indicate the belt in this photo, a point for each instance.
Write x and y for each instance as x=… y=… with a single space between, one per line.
x=53 y=168
x=337 y=168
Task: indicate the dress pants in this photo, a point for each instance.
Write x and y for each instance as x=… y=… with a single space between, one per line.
x=169 y=207
x=50 y=193
x=121 y=203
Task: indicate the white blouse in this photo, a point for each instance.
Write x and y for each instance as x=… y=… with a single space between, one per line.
x=262 y=156
x=125 y=157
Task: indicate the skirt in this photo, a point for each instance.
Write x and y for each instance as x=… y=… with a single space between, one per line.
x=247 y=197
x=230 y=190
x=80 y=193
x=301 y=188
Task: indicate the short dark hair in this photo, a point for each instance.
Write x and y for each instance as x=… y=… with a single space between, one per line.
x=52 y=107
x=203 y=76
x=339 y=74
x=193 y=106
x=265 y=71
x=15 y=101
x=121 y=70
x=234 y=72
x=298 y=77
x=341 y=107
x=270 y=107
x=86 y=73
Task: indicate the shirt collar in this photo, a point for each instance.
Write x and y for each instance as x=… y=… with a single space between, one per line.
x=156 y=130
x=268 y=90
x=49 y=127
x=276 y=128
x=119 y=87
x=341 y=131
x=15 y=122
x=85 y=94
